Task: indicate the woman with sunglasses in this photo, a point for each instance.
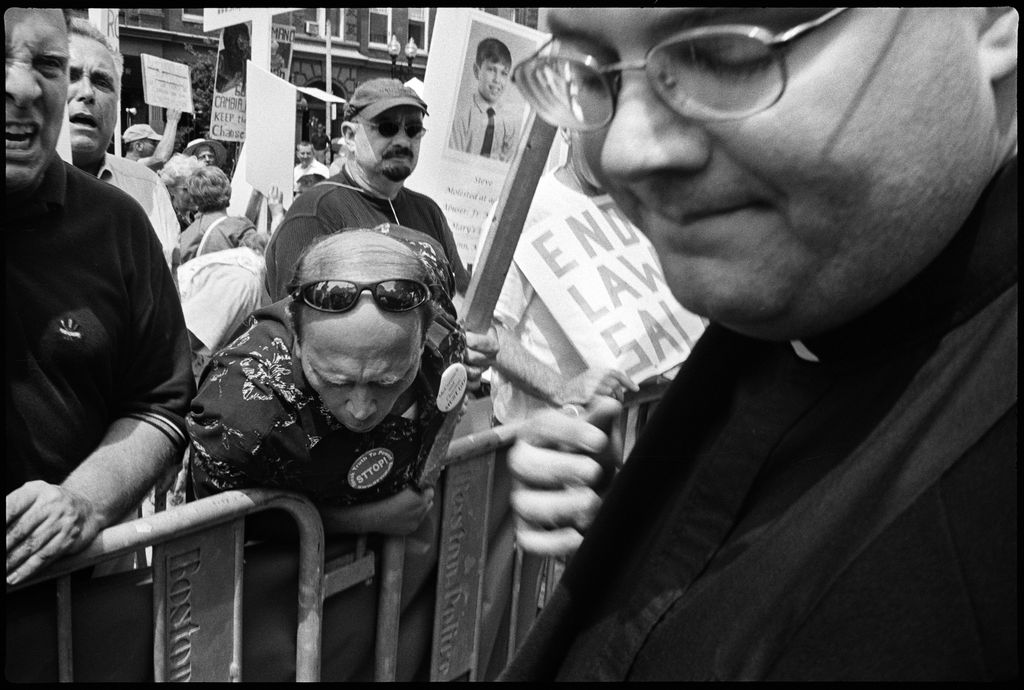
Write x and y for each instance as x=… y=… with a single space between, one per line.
x=331 y=392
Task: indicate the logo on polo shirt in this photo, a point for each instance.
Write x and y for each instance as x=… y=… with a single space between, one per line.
x=69 y=329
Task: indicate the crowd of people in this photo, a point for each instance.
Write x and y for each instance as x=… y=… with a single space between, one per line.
x=353 y=340
x=828 y=489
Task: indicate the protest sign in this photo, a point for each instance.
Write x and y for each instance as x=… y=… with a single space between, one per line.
x=259 y=20
x=281 y=38
x=64 y=138
x=269 y=155
x=603 y=283
x=241 y=190
x=464 y=182
x=227 y=114
x=166 y=84
x=219 y=17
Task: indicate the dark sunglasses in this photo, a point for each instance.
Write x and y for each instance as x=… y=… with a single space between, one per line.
x=395 y=294
x=388 y=128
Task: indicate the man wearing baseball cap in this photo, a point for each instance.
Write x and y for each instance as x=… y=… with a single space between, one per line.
x=381 y=134
x=143 y=145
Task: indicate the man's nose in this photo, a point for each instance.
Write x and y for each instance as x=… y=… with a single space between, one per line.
x=81 y=90
x=646 y=136
x=21 y=83
x=361 y=405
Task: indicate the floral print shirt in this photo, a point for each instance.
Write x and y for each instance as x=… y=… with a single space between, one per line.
x=256 y=422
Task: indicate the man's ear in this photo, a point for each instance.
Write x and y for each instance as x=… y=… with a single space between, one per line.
x=348 y=133
x=476 y=71
x=997 y=45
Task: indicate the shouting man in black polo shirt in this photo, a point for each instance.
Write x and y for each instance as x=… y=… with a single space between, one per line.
x=98 y=373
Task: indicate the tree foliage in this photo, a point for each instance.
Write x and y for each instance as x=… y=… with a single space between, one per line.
x=202 y=69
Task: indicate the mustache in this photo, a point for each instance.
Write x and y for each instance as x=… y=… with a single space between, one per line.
x=397 y=151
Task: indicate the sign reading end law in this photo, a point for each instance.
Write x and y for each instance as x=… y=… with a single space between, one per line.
x=166 y=84
x=602 y=281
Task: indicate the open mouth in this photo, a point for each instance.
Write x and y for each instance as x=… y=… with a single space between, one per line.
x=83 y=119
x=19 y=136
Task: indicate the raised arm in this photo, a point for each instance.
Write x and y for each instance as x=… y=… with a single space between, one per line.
x=165 y=149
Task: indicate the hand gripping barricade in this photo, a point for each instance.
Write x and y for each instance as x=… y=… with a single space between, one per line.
x=197 y=588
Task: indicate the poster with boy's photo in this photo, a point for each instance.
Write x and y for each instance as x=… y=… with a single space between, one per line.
x=489 y=112
x=476 y=116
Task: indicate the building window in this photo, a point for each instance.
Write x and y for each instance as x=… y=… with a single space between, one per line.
x=339 y=25
x=418 y=29
x=380 y=25
x=194 y=15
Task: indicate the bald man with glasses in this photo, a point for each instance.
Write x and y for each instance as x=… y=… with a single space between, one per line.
x=828 y=491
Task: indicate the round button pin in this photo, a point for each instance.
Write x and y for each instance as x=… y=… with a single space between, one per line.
x=370 y=468
x=452 y=388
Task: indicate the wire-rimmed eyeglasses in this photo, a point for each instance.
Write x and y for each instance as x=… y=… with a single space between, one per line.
x=712 y=73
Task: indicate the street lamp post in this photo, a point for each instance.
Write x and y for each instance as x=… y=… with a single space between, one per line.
x=410 y=54
x=394 y=48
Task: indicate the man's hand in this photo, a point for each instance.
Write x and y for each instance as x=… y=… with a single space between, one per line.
x=275 y=202
x=397 y=515
x=582 y=388
x=481 y=351
x=558 y=464
x=44 y=522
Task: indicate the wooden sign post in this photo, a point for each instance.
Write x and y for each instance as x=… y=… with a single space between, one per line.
x=467 y=486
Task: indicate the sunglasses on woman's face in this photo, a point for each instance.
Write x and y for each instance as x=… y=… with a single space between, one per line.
x=395 y=294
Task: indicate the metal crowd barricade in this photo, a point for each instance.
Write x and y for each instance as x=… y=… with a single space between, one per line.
x=197 y=564
x=462 y=557
x=198 y=559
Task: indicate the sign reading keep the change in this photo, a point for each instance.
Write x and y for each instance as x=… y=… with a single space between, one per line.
x=166 y=84
x=603 y=283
